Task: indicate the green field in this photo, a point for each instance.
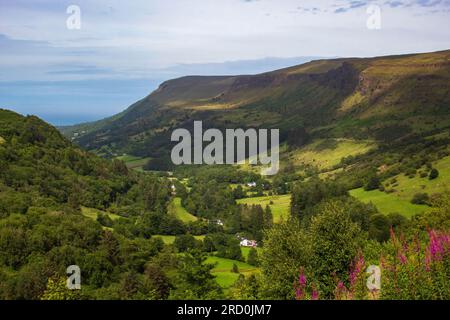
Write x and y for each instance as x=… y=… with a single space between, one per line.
x=92 y=213
x=280 y=207
x=408 y=187
x=224 y=277
x=327 y=157
x=171 y=239
x=133 y=162
x=179 y=211
x=388 y=203
x=246 y=250
x=404 y=190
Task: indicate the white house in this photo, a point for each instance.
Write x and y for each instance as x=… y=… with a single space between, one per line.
x=248 y=243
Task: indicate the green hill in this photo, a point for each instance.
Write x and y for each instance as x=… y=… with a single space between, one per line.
x=374 y=99
x=61 y=206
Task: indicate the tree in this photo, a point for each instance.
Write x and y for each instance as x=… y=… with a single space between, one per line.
x=306 y=195
x=195 y=280
x=208 y=244
x=229 y=249
x=252 y=258
x=110 y=245
x=185 y=242
x=104 y=219
x=335 y=242
x=239 y=192
x=420 y=198
x=245 y=288
x=379 y=227
x=434 y=173
x=57 y=290
x=373 y=183
x=286 y=249
x=268 y=217
x=13 y=244
x=235 y=268
x=129 y=285
x=158 y=280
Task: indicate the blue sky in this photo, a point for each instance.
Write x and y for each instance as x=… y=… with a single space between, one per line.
x=124 y=49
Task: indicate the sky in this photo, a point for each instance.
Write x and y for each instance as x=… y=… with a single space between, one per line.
x=78 y=60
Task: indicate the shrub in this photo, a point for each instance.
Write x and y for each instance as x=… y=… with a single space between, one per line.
x=434 y=173
x=420 y=198
x=252 y=258
x=105 y=220
x=372 y=184
x=379 y=227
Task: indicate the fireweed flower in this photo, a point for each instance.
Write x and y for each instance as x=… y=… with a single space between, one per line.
x=402 y=258
x=340 y=291
x=358 y=267
x=300 y=291
x=418 y=246
x=302 y=280
x=438 y=246
x=392 y=234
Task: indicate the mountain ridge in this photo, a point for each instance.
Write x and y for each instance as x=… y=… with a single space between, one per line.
x=334 y=97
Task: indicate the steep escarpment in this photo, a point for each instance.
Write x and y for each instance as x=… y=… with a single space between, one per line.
x=338 y=98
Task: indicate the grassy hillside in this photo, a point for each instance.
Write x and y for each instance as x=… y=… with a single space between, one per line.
x=279 y=205
x=400 y=189
x=133 y=162
x=356 y=99
x=223 y=273
x=388 y=203
x=405 y=187
x=179 y=211
x=326 y=154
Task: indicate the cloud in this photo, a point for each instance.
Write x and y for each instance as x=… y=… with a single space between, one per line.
x=81 y=70
x=395 y=3
x=429 y=3
x=352 y=5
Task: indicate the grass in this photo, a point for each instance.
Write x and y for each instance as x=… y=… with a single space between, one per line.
x=92 y=213
x=224 y=277
x=171 y=239
x=388 y=203
x=133 y=162
x=280 y=207
x=246 y=250
x=329 y=157
x=179 y=211
x=408 y=187
x=2 y=140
